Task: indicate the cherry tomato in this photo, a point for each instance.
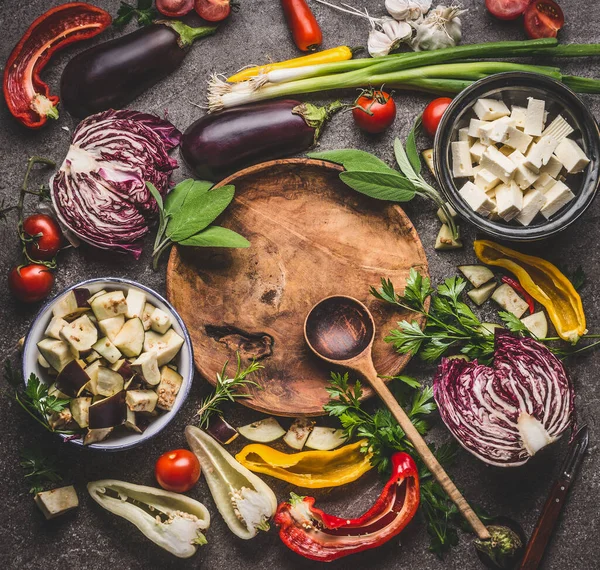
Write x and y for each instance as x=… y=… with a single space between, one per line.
x=174 y=8
x=45 y=235
x=433 y=114
x=374 y=111
x=30 y=283
x=543 y=19
x=212 y=10
x=506 y=9
x=177 y=470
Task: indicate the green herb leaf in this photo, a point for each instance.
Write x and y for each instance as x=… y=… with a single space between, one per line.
x=176 y=197
x=156 y=195
x=404 y=162
x=411 y=146
x=512 y=323
x=144 y=12
x=579 y=278
x=41 y=470
x=216 y=236
x=392 y=187
x=352 y=159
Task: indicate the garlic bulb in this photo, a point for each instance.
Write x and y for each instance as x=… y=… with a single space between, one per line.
x=386 y=35
x=402 y=10
x=440 y=29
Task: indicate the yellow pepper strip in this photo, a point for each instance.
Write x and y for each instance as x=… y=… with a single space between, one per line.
x=544 y=282
x=310 y=469
x=341 y=53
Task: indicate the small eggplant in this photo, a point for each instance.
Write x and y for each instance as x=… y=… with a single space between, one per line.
x=112 y=74
x=219 y=144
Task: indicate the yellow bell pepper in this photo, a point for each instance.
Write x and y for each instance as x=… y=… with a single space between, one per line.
x=341 y=53
x=544 y=282
x=310 y=469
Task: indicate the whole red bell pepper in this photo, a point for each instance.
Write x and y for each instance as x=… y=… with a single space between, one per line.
x=28 y=98
x=316 y=535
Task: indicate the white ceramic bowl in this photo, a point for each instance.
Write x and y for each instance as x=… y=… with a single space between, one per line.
x=184 y=359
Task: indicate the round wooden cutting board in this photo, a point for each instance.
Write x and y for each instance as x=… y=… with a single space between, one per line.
x=311 y=237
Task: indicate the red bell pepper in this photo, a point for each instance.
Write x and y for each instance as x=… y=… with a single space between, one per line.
x=28 y=98
x=316 y=535
x=519 y=289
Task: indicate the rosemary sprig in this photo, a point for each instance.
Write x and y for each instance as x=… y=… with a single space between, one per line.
x=227 y=389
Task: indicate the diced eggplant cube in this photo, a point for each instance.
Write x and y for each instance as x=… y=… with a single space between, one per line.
x=71 y=379
x=107 y=350
x=136 y=301
x=160 y=321
x=170 y=384
x=57 y=501
x=95 y=296
x=123 y=367
x=131 y=422
x=477 y=275
x=53 y=390
x=130 y=339
x=509 y=300
x=109 y=305
x=60 y=420
x=325 y=438
x=221 y=430
x=79 y=410
x=96 y=435
x=92 y=371
x=81 y=334
x=108 y=382
x=71 y=302
x=54 y=327
x=147 y=313
x=56 y=352
x=43 y=362
x=110 y=412
x=166 y=346
x=298 y=433
x=480 y=295
x=147 y=366
x=141 y=400
x=92 y=357
x=111 y=327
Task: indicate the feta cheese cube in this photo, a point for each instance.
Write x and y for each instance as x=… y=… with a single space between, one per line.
x=477 y=150
x=485 y=180
x=517 y=139
x=498 y=164
x=556 y=197
x=558 y=128
x=496 y=131
x=571 y=155
x=474 y=126
x=534 y=117
x=476 y=198
x=518 y=115
x=476 y=169
x=553 y=168
x=540 y=153
x=509 y=200
x=544 y=182
x=461 y=159
x=490 y=109
x=533 y=202
x=463 y=134
x=524 y=177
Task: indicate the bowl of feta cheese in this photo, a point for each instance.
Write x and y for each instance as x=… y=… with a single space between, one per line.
x=517 y=155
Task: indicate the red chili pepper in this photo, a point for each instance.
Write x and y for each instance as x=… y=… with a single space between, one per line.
x=303 y=24
x=316 y=535
x=519 y=289
x=27 y=96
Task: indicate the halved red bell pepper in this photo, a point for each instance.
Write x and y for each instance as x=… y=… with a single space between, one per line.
x=28 y=98
x=316 y=535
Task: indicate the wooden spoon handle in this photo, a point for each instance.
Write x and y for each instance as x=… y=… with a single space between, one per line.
x=367 y=369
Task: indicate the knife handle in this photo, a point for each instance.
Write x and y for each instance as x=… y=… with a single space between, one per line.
x=545 y=525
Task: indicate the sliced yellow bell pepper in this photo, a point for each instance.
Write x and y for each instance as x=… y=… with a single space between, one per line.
x=341 y=53
x=544 y=282
x=310 y=469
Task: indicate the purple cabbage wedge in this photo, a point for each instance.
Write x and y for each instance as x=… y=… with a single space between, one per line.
x=505 y=414
x=100 y=191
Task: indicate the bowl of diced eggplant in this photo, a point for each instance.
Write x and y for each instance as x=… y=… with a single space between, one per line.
x=517 y=155
x=119 y=353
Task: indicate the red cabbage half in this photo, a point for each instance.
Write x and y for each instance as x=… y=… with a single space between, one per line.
x=100 y=191
x=505 y=414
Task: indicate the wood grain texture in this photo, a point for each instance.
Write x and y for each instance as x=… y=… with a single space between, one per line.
x=311 y=237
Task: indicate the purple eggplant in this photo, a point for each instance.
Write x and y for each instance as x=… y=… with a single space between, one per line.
x=112 y=74
x=219 y=144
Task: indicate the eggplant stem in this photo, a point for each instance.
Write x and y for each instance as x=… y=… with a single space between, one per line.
x=187 y=34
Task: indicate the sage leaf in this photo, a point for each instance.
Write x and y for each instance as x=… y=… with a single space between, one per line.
x=156 y=195
x=380 y=185
x=404 y=162
x=216 y=236
x=176 y=197
x=411 y=146
x=352 y=159
x=201 y=209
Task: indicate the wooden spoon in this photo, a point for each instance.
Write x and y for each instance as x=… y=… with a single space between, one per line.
x=341 y=330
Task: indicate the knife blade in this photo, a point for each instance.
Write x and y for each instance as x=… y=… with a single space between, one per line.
x=555 y=502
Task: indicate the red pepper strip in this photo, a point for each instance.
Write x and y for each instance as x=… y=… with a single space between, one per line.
x=316 y=535
x=27 y=96
x=519 y=289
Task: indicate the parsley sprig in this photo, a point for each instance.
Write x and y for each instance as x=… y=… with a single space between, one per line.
x=144 y=12
x=40 y=470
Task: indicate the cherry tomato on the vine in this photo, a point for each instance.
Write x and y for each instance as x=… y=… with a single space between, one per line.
x=543 y=19
x=30 y=283
x=44 y=237
x=506 y=9
x=433 y=114
x=374 y=111
x=177 y=470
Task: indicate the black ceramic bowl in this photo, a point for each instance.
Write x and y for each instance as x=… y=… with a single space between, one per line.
x=514 y=88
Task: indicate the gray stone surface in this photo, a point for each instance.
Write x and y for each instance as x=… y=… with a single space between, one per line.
x=92 y=538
